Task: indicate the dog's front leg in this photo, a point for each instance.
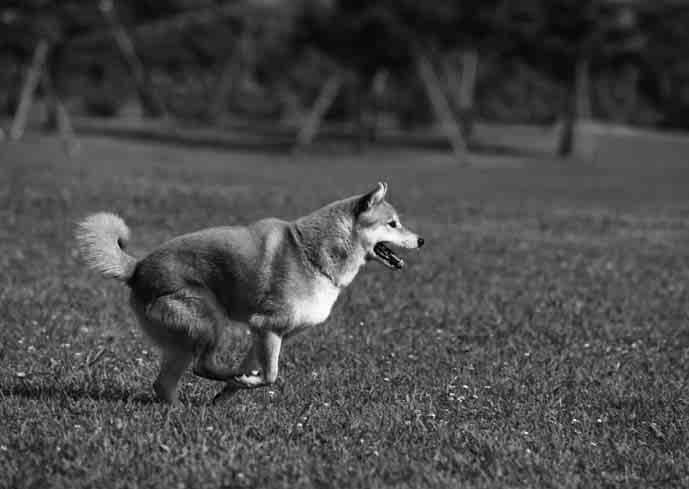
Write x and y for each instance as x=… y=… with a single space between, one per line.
x=259 y=368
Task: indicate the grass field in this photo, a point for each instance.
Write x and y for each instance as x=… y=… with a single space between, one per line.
x=539 y=339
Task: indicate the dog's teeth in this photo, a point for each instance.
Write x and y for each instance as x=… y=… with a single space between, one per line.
x=254 y=373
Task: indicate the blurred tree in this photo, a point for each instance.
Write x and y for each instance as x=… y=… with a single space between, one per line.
x=150 y=101
x=41 y=26
x=370 y=37
x=565 y=39
x=665 y=75
x=610 y=56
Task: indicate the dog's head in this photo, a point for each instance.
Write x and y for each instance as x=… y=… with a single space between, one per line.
x=378 y=227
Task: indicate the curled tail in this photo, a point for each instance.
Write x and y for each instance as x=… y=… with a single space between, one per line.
x=101 y=239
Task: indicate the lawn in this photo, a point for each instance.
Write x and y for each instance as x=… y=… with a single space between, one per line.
x=539 y=339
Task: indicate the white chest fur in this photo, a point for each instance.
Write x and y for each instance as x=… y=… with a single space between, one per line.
x=315 y=307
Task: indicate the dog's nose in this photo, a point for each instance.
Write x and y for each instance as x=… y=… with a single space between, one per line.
x=421 y=242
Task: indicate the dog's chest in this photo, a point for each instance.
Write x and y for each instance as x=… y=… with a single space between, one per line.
x=314 y=308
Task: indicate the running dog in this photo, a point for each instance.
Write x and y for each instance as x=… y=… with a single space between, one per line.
x=274 y=276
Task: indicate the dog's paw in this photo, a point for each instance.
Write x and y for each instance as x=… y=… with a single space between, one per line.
x=254 y=379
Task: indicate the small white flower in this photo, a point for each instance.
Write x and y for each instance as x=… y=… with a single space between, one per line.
x=21 y=375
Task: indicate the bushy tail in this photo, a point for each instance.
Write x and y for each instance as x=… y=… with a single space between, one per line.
x=101 y=239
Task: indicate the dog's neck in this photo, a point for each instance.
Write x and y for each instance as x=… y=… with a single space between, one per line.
x=328 y=247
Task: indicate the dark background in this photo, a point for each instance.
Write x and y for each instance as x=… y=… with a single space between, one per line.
x=217 y=63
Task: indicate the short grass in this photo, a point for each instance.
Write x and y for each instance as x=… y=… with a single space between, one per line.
x=539 y=339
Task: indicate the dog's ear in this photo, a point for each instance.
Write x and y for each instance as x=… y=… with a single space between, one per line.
x=371 y=199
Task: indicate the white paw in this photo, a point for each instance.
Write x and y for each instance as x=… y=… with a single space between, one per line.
x=250 y=380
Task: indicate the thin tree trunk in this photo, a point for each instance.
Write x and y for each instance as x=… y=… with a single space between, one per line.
x=150 y=102
x=577 y=105
x=566 y=142
x=230 y=77
x=57 y=117
x=324 y=101
x=227 y=83
x=441 y=108
x=462 y=86
x=631 y=98
x=33 y=76
x=379 y=85
x=583 y=88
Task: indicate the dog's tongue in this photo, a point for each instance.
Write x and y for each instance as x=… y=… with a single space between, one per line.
x=388 y=256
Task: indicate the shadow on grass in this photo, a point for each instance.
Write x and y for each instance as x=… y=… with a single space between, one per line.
x=104 y=392
x=111 y=393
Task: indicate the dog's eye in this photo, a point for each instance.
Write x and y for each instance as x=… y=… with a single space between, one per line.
x=392 y=224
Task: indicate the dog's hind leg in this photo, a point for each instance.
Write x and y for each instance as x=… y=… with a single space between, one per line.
x=207 y=367
x=172 y=365
x=186 y=325
x=259 y=368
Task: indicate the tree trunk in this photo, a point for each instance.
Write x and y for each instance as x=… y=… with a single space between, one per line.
x=462 y=88
x=150 y=102
x=33 y=76
x=577 y=105
x=57 y=115
x=379 y=84
x=583 y=88
x=324 y=101
x=230 y=78
x=566 y=142
x=441 y=108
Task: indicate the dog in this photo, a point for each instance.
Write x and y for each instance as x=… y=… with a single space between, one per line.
x=274 y=276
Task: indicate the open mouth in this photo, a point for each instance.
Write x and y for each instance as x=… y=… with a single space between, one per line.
x=386 y=255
